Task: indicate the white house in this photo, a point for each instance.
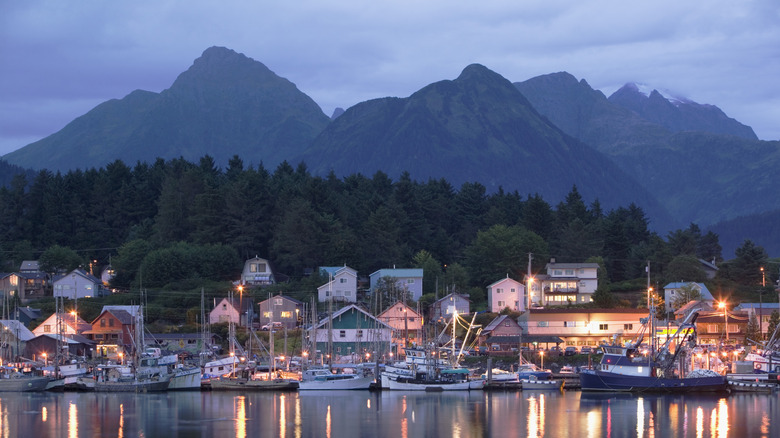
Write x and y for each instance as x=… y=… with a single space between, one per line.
x=71 y=324
x=257 y=271
x=77 y=284
x=505 y=293
x=672 y=292
x=410 y=280
x=568 y=282
x=341 y=287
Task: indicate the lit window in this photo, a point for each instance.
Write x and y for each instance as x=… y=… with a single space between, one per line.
x=342 y=333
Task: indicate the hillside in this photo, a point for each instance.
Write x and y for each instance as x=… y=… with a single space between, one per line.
x=477 y=127
x=699 y=176
x=225 y=104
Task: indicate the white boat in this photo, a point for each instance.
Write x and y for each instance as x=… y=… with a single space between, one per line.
x=185 y=378
x=323 y=379
x=120 y=378
x=499 y=375
x=453 y=379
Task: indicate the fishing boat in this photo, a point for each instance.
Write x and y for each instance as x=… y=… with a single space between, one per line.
x=122 y=378
x=324 y=379
x=739 y=385
x=431 y=369
x=248 y=379
x=15 y=379
x=534 y=383
x=637 y=368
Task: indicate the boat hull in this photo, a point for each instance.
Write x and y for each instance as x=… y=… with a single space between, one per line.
x=139 y=386
x=398 y=383
x=185 y=379
x=24 y=384
x=228 y=384
x=604 y=381
x=526 y=384
x=338 y=385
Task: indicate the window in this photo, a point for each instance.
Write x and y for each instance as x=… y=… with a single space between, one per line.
x=286 y=314
x=347 y=293
x=327 y=293
x=570 y=323
x=603 y=326
x=506 y=324
x=98 y=336
x=224 y=307
x=499 y=290
x=261 y=267
x=111 y=322
x=542 y=324
x=557 y=272
x=359 y=334
x=47 y=328
x=712 y=328
x=628 y=326
x=570 y=272
x=267 y=315
x=411 y=319
x=102 y=322
x=500 y=304
x=278 y=302
x=512 y=290
x=342 y=333
x=410 y=280
x=342 y=280
x=253 y=267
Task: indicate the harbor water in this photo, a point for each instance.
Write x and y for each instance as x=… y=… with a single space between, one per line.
x=331 y=414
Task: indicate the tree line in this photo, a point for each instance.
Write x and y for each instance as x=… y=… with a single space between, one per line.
x=170 y=221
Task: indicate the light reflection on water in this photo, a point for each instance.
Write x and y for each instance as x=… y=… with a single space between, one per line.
x=387 y=414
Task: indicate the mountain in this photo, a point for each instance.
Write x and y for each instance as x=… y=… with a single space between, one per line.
x=478 y=127
x=225 y=104
x=761 y=228
x=699 y=176
x=677 y=114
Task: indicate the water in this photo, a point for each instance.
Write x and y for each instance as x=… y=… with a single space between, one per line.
x=387 y=414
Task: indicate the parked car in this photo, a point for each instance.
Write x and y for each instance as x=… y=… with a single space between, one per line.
x=276 y=326
x=586 y=349
x=556 y=351
x=570 y=351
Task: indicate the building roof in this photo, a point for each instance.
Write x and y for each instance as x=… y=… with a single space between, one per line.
x=497 y=322
x=705 y=293
x=453 y=295
x=411 y=272
x=18 y=329
x=503 y=280
x=132 y=310
x=572 y=265
x=288 y=298
x=381 y=324
x=81 y=273
x=585 y=310
x=30 y=266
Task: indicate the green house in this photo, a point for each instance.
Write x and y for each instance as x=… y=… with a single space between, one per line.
x=354 y=333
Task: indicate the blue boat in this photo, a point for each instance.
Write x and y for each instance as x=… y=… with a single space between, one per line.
x=634 y=368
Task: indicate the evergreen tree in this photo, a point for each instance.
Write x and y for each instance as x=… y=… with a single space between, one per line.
x=753 y=331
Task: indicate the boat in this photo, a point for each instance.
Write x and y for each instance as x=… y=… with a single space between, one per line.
x=499 y=375
x=534 y=383
x=15 y=379
x=453 y=379
x=324 y=379
x=739 y=385
x=634 y=367
x=123 y=378
x=247 y=379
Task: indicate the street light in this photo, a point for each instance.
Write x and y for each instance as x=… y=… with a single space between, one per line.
x=541 y=355
x=722 y=305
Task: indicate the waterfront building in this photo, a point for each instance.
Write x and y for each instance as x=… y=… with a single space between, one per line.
x=583 y=326
x=406 y=322
x=354 y=333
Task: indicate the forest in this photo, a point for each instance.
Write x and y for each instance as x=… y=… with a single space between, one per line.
x=171 y=226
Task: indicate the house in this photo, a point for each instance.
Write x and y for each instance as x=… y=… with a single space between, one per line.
x=70 y=322
x=443 y=309
x=192 y=343
x=673 y=291
x=27 y=315
x=763 y=312
x=9 y=284
x=281 y=309
x=566 y=283
x=107 y=275
x=46 y=346
x=582 y=326
x=408 y=280
x=697 y=306
x=355 y=333
x=113 y=332
x=29 y=266
x=239 y=311
x=341 y=287
x=502 y=335
x=710 y=269
x=506 y=293
x=407 y=325
x=14 y=338
x=77 y=284
x=257 y=272
x=722 y=326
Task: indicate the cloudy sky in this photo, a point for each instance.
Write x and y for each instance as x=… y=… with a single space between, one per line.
x=59 y=59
